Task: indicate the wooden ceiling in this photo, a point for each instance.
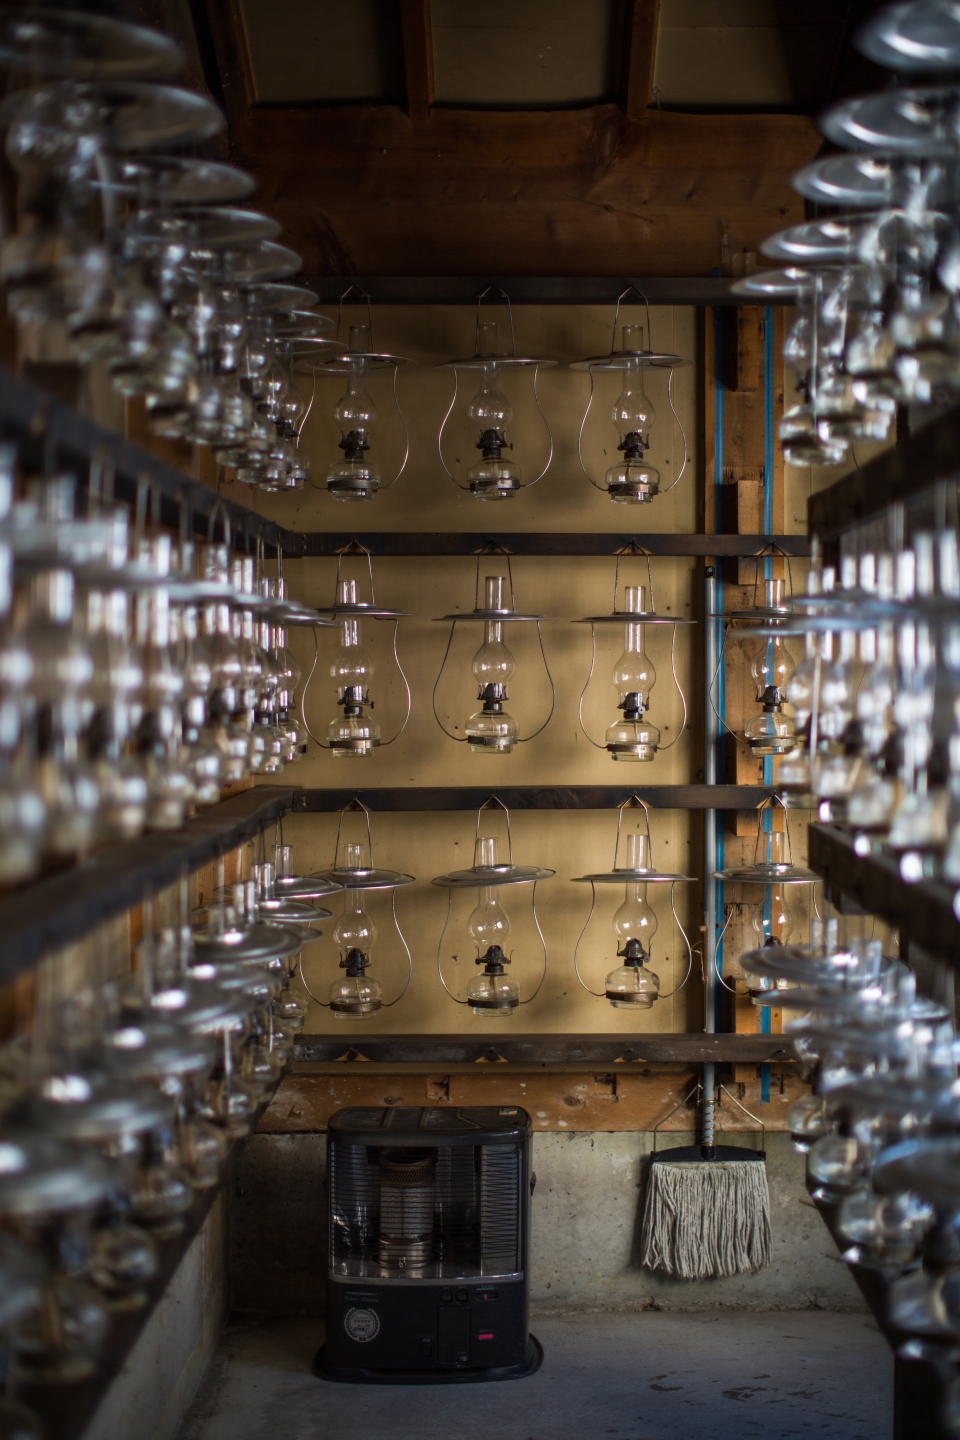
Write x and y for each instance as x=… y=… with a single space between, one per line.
x=401 y=147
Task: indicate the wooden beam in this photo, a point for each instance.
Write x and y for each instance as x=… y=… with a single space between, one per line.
x=575 y=1101
x=417 y=55
x=374 y=191
x=644 y=23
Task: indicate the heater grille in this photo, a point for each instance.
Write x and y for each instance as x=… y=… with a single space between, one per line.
x=499 y=1208
x=452 y=1211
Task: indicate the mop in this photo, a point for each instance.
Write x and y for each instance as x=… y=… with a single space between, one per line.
x=706 y=1210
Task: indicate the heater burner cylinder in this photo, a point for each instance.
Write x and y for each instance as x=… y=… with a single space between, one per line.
x=407 y=1208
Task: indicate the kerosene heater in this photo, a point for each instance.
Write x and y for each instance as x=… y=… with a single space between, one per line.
x=429 y=1222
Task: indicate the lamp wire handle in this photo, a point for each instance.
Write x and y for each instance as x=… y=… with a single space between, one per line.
x=488 y=804
x=634 y=802
x=683 y=434
x=679 y=689
x=583 y=693
x=386 y=1004
x=405 y=430
x=305 y=687
x=522 y=739
x=633 y=548
x=406 y=686
x=616 y=314
x=443 y=425
x=491 y=289
x=455 y=998
x=686 y=941
x=303 y=981
x=543 y=946
x=580 y=432
x=362 y=295
x=597 y=994
x=546 y=425
x=714 y=683
x=460 y=739
x=354 y=547
x=732 y=989
x=493 y=547
x=309 y=407
x=352 y=807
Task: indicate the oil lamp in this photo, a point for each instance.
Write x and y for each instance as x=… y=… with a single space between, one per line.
x=355 y=731
x=633 y=736
x=763 y=626
x=632 y=985
x=767 y=887
x=355 y=995
x=356 y=475
x=492 y=993
x=631 y=480
x=494 y=476
x=492 y=730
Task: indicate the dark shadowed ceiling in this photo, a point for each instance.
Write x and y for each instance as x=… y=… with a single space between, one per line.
x=564 y=137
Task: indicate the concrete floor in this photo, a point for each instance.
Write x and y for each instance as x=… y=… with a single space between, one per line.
x=649 y=1375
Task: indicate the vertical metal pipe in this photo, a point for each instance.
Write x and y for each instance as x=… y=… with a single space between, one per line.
x=711 y=739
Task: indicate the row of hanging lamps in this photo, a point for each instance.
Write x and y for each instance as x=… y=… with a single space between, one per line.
x=492 y=729
x=488 y=387
x=494 y=886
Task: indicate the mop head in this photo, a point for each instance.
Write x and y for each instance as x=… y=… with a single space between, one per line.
x=706 y=1218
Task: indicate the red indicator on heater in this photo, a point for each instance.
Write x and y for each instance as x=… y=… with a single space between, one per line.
x=486 y=1335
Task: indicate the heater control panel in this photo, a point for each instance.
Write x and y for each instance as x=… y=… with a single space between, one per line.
x=426 y=1327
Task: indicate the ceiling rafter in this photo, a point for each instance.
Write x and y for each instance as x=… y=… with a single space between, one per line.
x=644 y=22
x=417 y=55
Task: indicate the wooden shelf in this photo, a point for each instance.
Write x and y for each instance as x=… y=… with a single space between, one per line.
x=66 y=1410
x=601 y=1049
x=923 y=909
x=919 y=1380
x=63 y=907
x=50 y=433
x=905 y=475
x=534 y=797
x=536 y=289
x=573 y=543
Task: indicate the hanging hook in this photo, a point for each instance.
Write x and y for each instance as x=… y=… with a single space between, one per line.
x=354 y=547
x=634 y=802
x=352 y=807
x=354 y=289
x=616 y=314
x=487 y=804
x=633 y=547
x=489 y=289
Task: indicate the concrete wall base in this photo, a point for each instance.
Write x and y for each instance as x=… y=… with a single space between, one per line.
x=166 y=1367
x=586 y=1213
